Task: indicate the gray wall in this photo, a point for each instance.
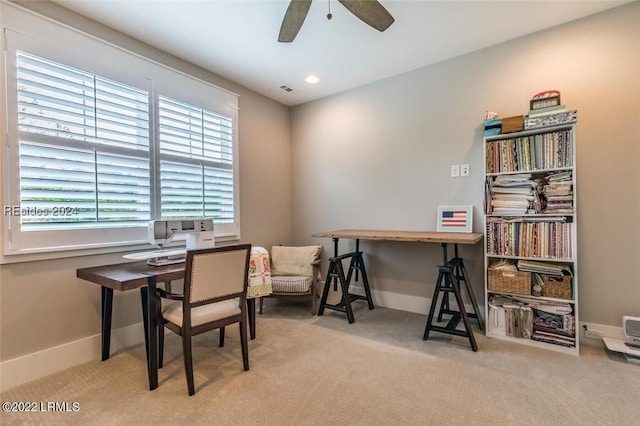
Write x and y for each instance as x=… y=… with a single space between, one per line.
x=43 y=304
x=379 y=156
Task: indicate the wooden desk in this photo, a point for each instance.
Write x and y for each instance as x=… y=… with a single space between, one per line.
x=132 y=275
x=411 y=236
x=129 y=276
x=450 y=275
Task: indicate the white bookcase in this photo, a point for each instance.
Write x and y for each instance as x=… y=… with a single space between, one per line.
x=528 y=231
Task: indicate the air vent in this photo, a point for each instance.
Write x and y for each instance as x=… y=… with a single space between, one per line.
x=286 y=88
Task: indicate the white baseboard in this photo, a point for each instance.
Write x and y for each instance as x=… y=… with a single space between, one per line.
x=24 y=369
x=602 y=330
x=405 y=302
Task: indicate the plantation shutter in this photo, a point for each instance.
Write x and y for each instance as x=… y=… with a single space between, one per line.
x=196 y=162
x=83 y=148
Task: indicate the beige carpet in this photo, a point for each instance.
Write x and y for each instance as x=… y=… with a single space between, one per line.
x=323 y=371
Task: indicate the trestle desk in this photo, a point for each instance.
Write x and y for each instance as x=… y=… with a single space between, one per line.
x=451 y=275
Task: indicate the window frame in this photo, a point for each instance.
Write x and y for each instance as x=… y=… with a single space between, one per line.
x=42 y=37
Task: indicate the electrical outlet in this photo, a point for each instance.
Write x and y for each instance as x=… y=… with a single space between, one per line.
x=592 y=334
x=455 y=170
x=464 y=170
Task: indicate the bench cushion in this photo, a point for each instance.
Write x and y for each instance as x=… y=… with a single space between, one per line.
x=291 y=284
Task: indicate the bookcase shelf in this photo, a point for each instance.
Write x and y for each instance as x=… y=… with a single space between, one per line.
x=548 y=259
x=532 y=343
x=538 y=215
x=535 y=298
x=556 y=169
x=531 y=227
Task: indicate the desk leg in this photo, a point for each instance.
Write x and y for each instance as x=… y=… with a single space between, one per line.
x=462 y=271
x=358 y=249
x=446 y=283
x=149 y=307
x=444 y=306
x=145 y=314
x=335 y=254
x=107 y=308
x=251 y=313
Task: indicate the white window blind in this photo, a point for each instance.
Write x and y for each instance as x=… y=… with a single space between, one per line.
x=90 y=164
x=196 y=162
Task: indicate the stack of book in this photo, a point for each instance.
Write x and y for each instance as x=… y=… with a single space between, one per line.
x=511 y=194
x=542 y=321
x=547 y=268
x=558 y=193
x=516 y=194
x=546 y=110
x=549 y=116
x=554 y=324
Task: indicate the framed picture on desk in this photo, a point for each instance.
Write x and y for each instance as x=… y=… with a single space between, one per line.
x=455 y=219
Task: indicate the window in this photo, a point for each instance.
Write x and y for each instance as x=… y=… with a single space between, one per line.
x=196 y=162
x=94 y=153
x=83 y=148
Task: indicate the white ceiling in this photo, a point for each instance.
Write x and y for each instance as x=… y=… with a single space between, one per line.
x=238 y=39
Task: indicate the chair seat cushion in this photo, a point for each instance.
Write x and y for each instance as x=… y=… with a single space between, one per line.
x=202 y=314
x=291 y=284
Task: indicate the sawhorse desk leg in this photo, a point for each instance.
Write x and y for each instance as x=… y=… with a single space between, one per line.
x=335 y=254
x=451 y=275
x=336 y=274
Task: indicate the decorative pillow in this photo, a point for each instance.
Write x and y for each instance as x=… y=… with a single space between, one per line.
x=294 y=260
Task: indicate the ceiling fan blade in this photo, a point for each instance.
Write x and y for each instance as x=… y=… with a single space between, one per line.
x=293 y=19
x=370 y=12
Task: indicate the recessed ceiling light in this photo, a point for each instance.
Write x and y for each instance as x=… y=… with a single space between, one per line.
x=312 y=79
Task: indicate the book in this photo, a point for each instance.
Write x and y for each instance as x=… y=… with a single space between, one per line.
x=553 y=119
x=545 y=111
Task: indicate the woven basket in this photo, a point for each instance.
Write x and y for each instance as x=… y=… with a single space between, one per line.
x=556 y=287
x=516 y=282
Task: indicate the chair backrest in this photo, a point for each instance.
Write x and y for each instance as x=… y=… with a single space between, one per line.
x=216 y=274
x=294 y=261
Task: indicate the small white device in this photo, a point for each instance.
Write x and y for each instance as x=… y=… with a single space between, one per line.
x=630 y=347
x=631 y=330
x=164 y=231
x=198 y=234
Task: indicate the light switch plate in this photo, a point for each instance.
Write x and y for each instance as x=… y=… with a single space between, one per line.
x=455 y=170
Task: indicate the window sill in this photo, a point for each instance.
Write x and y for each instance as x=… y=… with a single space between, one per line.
x=60 y=254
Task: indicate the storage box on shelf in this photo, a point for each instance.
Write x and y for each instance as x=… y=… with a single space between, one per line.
x=512 y=124
x=558 y=287
x=513 y=282
x=531 y=223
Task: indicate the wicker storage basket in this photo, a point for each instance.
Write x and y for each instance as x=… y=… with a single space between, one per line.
x=516 y=282
x=556 y=287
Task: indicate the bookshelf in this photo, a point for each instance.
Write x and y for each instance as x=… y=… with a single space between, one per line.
x=531 y=273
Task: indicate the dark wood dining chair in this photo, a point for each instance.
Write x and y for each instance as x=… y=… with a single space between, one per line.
x=215 y=291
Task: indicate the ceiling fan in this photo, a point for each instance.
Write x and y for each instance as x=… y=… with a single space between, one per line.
x=371 y=12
